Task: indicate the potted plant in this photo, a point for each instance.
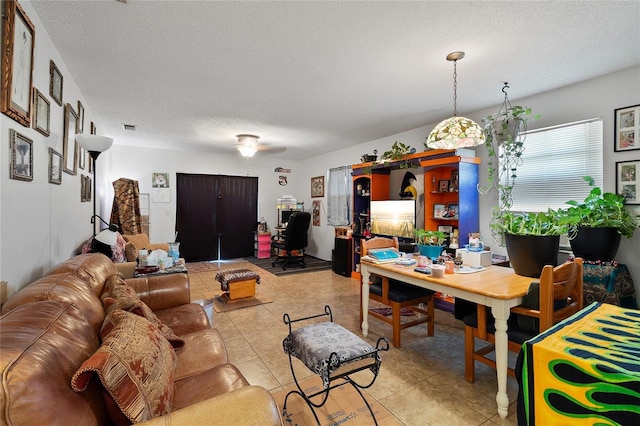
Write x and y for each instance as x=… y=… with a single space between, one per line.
x=397 y=152
x=532 y=239
x=430 y=243
x=598 y=222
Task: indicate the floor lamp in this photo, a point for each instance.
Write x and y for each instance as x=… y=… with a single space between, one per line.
x=96 y=145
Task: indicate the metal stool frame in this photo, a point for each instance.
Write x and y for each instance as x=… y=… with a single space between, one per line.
x=334 y=358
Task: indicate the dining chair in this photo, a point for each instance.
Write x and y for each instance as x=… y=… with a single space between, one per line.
x=397 y=295
x=557 y=296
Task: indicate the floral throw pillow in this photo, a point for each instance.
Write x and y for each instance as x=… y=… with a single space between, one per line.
x=135 y=365
x=119 y=295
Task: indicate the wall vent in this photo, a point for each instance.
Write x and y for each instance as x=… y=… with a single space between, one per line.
x=130 y=127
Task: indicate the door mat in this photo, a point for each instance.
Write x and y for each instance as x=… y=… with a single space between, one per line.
x=343 y=407
x=405 y=312
x=220 y=305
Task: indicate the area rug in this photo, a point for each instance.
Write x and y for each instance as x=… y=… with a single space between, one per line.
x=344 y=407
x=313 y=264
x=220 y=305
x=199 y=267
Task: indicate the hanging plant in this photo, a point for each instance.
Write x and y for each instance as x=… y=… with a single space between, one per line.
x=504 y=133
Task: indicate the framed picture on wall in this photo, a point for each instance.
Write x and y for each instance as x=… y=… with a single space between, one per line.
x=317 y=186
x=80 y=117
x=55 y=167
x=17 y=63
x=21 y=156
x=69 y=145
x=41 y=113
x=55 y=83
x=443 y=186
x=628 y=180
x=627 y=128
x=438 y=211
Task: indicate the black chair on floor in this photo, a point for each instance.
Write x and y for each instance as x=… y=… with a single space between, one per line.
x=291 y=247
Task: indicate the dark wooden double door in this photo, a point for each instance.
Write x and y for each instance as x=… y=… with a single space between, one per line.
x=215 y=216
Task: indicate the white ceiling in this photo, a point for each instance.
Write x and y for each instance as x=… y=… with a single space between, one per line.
x=317 y=76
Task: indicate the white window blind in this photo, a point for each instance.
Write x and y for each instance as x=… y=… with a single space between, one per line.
x=554 y=161
x=339 y=194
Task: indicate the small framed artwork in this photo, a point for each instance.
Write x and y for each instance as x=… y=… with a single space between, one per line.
x=317 y=186
x=55 y=83
x=316 y=212
x=438 y=211
x=443 y=186
x=628 y=180
x=454 y=180
x=55 y=167
x=41 y=113
x=21 y=153
x=69 y=144
x=92 y=129
x=452 y=211
x=85 y=188
x=447 y=229
x=159 y=180
x=17 y=63
x=80 y=118
x=82 y=158
x=627 y=128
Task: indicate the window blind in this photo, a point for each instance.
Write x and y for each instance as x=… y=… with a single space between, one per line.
x=554 y=163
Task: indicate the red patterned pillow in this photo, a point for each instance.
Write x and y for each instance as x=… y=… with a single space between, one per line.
x=119 y=295
x=135 y=365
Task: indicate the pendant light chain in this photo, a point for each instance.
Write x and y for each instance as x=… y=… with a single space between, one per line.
x=455 y=88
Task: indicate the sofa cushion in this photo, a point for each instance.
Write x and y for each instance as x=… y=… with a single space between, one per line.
x=94 y=268
x=118 y=295
x=65 y=286
x=135 y=364
x=185 y=319
x=203 y=350
x=140 y=241
x=42 y=344
x=207 y=384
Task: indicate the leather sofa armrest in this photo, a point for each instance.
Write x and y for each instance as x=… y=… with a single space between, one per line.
x=250 y=405
x=126 y=269
x=162 y=291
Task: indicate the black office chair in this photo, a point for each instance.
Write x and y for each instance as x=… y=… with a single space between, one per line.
x=291 y=247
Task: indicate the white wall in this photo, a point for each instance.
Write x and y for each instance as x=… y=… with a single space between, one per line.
x=139 y=164
x=598 y=97
x=43 y=224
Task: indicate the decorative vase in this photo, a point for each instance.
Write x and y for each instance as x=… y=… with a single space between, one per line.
x=595 y=243
x=432 y=252
x=528 y=254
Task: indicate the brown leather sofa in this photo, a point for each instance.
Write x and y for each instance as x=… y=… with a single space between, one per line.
x=50 y=327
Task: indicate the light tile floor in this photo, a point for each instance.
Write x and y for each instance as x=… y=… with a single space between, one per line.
x=422 y=383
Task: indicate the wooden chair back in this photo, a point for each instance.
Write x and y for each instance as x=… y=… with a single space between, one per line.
x=378 y=242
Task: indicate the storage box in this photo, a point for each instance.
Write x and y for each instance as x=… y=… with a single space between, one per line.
x=474 y=258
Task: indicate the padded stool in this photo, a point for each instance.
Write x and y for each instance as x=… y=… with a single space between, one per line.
x=333 y=353
x=237 y=284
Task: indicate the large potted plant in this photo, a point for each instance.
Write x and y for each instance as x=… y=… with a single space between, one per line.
x=532 y=239
x=598 y=222
x=430 y=243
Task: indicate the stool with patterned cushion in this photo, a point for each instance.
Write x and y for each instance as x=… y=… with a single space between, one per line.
x=333 y=353
x=237 y=283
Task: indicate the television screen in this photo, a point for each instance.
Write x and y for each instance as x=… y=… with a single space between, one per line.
x=394 y=218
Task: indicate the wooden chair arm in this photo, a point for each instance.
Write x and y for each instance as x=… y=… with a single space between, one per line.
x=521 y=310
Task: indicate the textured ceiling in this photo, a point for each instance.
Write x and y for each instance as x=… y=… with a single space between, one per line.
x=317 y=76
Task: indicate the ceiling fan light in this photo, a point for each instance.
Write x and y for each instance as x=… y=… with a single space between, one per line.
x=247 y=151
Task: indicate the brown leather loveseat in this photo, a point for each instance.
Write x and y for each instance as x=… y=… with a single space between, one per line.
x=52 y=327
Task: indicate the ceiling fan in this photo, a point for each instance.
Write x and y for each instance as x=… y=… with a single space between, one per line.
x=248 y=145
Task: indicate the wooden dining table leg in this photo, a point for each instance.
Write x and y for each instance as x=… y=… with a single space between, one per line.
x=501 y=314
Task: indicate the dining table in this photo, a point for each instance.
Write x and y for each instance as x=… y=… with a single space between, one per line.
x=496 y=287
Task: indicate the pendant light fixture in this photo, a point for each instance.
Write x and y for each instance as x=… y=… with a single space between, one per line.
x=455 y=132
